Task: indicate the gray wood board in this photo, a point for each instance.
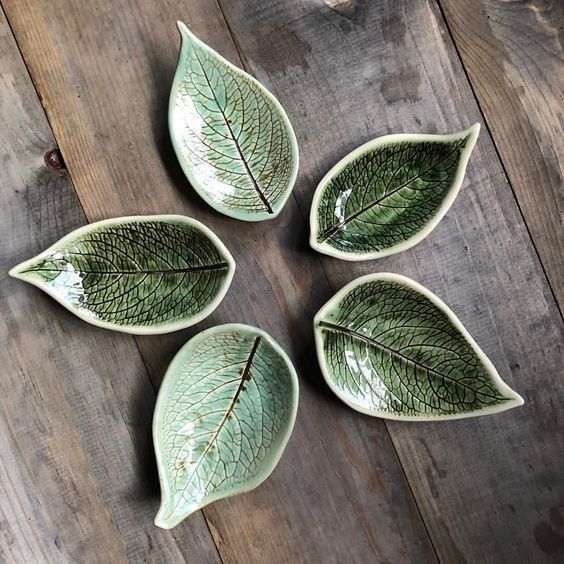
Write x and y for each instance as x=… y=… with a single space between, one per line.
x=77 y=475
x=490 y=489
x=513 y=54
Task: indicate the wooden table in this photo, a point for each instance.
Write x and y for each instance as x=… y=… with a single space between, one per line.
x=77 y=473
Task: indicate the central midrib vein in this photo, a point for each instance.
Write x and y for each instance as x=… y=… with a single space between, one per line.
x=355 y=335
x=244 y=377
x=260 y=193
x=219 y=266
x=332 y=230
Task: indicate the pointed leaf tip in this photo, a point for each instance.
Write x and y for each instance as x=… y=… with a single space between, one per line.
x=14 y=272
x=472 y=133
x=161 y=522
x=24 y=270
x=475 y=129
x=183 y=28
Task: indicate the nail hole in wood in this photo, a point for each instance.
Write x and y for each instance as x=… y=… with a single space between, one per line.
x=54 y=159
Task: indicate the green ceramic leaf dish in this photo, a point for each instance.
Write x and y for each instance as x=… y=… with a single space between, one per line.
x=388 y=194
x=232 y=137
x=143 y=274
x=224 y=414
x=389 y=347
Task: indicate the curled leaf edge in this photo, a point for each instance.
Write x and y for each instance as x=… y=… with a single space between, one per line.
x=266 y=471
x=513 y=398
x=327 y=249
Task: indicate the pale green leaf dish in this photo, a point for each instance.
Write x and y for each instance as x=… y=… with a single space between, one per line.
x=390 y=348
x=388 y=194
x=232 y=137
x=139 y=274
x=224 y=414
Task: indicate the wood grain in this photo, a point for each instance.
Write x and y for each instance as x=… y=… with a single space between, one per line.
x=77 y=476
x=104 y=70
x=513 y=54
x=489 y=489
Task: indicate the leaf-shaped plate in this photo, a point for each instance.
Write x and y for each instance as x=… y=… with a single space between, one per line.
x=224 y=414
x=140 y=274
x=232 y=137
x=388 y=194
x=389 y=347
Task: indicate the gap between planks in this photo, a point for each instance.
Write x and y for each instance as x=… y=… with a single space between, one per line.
x=495 y=144
x=247 y=67
x=442 y=22
x=87 y=219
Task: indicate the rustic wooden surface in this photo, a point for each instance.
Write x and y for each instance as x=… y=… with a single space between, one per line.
x=77 y=475
x=513 y=54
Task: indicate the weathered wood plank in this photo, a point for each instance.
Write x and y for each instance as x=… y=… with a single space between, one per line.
x=513 y=54
x=77 y=478
x=490 y=489
x=339 y=493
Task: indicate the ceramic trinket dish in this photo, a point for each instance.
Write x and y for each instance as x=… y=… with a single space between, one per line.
x=224 y=414
x=232 y=137
x=139 y=274
x=390 y=348
x=388 y=194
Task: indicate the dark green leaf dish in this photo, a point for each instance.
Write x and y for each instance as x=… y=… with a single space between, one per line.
x=388 y=194
x=231 y=136
x=143 y=275
x=389 y=347
x=224 y=414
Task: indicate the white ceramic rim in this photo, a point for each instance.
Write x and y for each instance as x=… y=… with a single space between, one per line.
x=241 y=214
x=275 y=457
x=515 y=400
x=325 y=248
x=134 y=329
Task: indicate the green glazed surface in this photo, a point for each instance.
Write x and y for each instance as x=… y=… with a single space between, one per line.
x=388 y=194
x=224 y=414
x=231 y=136
x=143 y=274
x=390 y=348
